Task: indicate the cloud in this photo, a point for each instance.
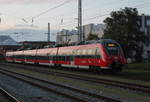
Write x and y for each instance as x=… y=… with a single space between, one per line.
x=26 y=26
x=5 y=26
x=8 y=1
x=25 y=1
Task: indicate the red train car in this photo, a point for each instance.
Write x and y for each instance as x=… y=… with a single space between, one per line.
x=97 y=55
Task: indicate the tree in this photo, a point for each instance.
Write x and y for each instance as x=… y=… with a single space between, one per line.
x=123 y=27
x=92 y=37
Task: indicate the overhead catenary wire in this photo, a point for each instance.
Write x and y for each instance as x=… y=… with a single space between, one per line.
x=107 y=14
x=44 y=12
x=142 y=4
x=139 y=6
x=50 y=9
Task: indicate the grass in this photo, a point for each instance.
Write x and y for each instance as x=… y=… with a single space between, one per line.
x=123 y=94
x=139 y=66
x=139 y=71
x=132 y=73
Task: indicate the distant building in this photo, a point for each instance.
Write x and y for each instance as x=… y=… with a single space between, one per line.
x=94 y=29
x=7 y=40
x=66 y=36
x=36 y=44
x=144 y=22
x=7 y=44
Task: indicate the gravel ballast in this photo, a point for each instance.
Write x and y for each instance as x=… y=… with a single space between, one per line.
x=28 y=93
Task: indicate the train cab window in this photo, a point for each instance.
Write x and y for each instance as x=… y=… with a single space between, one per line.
x=112 y=48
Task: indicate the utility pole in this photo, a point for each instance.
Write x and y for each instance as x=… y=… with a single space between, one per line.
x=80 y=21
x=48 y=34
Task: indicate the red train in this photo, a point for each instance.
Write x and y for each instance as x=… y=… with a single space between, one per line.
x=95 y=55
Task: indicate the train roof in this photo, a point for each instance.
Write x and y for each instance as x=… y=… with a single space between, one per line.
x=101 y=41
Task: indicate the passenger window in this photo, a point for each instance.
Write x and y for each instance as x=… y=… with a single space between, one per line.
x=98 y=51
x=93 y=51
x=80 y=52
x=83 y=52
x=87 y=52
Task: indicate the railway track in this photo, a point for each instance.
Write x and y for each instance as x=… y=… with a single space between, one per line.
x=80 y=95
x=7 y=97
x=126 y=85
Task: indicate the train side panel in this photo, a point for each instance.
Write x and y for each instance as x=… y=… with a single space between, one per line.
x=100 y=56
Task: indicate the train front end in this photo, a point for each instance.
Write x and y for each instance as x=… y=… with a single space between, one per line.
x=113 y=55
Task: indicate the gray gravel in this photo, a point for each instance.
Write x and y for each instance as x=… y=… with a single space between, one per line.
x=87 y=97
x=28 y=93
x=124 y=99
x=95 y=91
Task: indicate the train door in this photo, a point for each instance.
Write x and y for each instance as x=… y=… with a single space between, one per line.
x=50 y=57
x=35 y=57
x=93 y=57
x=97 y=56
x=23 y=57
x=72 y=62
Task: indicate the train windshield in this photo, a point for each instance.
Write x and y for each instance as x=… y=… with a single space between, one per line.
x=112 y=48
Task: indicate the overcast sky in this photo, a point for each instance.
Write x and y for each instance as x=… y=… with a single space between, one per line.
x=19 y=13
x=62 y=14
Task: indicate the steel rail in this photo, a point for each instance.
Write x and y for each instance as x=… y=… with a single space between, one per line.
x=102 y=97
x=137 y=87
x=8 y=95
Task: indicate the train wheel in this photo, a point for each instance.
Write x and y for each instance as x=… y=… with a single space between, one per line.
x=36 y=63
x=90 y=68
x=22 y=62
x=94 y=69
x=105 y=71
x=57 y=65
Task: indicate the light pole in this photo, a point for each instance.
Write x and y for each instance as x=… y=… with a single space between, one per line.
x=48 y=34
x=80 y=20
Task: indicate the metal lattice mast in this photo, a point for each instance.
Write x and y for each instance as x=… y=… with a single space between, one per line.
x=48 y=34
x=80 y=20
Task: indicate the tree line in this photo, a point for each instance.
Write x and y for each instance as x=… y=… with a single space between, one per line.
x=123 y=26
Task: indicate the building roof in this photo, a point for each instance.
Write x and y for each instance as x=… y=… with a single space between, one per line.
x=37 y=42
x=7 y=40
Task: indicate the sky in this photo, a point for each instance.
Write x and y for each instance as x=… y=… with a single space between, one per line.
x=62 y=14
